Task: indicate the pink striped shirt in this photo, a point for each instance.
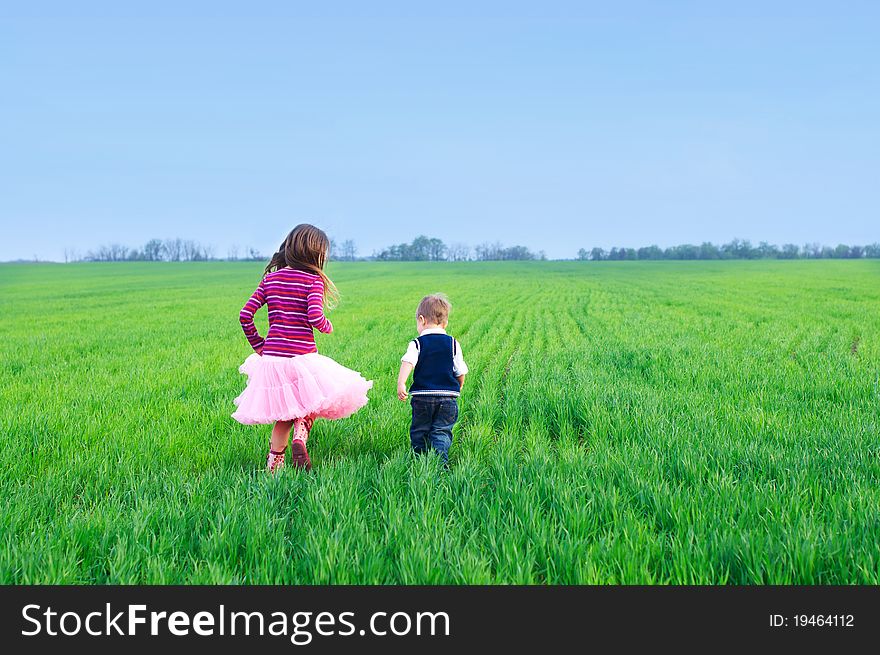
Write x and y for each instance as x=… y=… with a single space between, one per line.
x=296 y=307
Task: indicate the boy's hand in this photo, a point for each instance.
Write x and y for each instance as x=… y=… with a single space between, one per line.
x=405 y=369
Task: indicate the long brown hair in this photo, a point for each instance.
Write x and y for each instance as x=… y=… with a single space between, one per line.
x=306 y=248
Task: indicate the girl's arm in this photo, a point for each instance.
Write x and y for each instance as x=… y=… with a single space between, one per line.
x=316 y=308
x=405 y=369
x=246 y=318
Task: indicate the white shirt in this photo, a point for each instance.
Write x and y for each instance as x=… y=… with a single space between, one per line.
x=412 y=353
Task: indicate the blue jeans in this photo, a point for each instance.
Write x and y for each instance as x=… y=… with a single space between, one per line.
x=432 y=421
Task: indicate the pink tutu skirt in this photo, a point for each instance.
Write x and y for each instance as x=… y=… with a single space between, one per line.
x=285 y=388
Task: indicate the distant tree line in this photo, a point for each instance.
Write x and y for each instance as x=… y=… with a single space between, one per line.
x=432 y=249
x=184 y=250
x=736 y=249
x=157 y=250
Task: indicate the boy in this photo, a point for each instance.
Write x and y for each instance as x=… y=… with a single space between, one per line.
x=438 y=376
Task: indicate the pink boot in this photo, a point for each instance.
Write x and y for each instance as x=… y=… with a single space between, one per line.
x=274 y=461
x=299 y=455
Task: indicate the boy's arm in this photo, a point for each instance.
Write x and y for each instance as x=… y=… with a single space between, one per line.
x=407 y=364
x=405 y=369
x=459 y=367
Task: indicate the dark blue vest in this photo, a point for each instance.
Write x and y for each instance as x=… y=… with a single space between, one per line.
x=434 y=374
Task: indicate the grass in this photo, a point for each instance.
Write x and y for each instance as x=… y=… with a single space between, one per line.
x=635 y=422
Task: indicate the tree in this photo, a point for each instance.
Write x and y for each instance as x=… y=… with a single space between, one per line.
x=458 y=252
x=709 y=250
x=232 y=253
x=841 y=251
x=349 y=250
x=489 y=251
x=190 y=251
x=789 y=251
x=598 y=254
x=650 y=252
x=172 y=249
x=683 y=251
x=812 y=250
x=766 y=250
x=436 y=250
x=872 y=250
x=152 y=251
x=517 y=253
x=738 y=249
x=420 y=248
x=112 y=253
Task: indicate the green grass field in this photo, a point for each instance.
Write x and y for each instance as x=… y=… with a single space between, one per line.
x=631 y=422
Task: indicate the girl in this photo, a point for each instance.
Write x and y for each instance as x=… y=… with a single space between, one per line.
x=289 y=383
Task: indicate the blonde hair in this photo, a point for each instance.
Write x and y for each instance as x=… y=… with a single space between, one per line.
x=306 y=248
x=435 y=308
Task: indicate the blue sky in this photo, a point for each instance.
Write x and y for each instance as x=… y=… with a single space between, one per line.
x=553 y=125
